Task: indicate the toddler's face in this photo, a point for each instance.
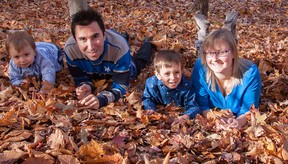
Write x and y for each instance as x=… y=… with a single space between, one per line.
x=24 y=58
x=170 y=76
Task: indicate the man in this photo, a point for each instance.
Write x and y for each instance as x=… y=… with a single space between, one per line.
x=93 y=52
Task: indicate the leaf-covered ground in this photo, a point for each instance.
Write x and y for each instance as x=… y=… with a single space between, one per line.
x=52 y=128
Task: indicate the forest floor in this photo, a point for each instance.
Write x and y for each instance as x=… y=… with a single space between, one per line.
x=53 y=127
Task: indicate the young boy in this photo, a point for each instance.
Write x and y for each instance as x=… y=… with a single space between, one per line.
x=30 y=58
x=168 y=85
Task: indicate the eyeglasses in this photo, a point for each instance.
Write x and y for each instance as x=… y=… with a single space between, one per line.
x=218 y=53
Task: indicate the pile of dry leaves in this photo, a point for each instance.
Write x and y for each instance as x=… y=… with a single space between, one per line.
x=52 y=128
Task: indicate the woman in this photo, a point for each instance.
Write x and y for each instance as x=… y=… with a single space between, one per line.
x=223 y=80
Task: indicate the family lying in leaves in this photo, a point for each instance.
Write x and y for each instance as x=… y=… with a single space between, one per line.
x=220 y=79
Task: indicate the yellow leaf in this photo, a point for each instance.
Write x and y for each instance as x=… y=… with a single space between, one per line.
x=260 y=118
x=134 y=98
x=160 y=43
x=167 y=158
x=112 y=110
x=92 y=150
x=256 y=150
x=271 y=147
x=50 y=102
x=176 y=46
x=7 y=92
x=145 y=119
x=9 y=117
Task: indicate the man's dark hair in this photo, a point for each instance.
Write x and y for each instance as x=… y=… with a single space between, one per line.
x=86 y=17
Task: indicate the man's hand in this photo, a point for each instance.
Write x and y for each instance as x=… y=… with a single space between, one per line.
x=90 y=101
x=83 y=91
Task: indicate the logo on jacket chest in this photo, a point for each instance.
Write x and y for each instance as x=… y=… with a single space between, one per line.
x=107 y=69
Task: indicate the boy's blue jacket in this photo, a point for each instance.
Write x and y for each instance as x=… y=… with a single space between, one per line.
x=156 y=92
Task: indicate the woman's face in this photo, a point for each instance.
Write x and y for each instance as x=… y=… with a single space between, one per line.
x=219 y=58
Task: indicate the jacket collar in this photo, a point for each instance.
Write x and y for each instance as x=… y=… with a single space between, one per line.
x=181 y=86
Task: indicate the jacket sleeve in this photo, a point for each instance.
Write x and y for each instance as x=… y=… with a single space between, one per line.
x=120 y=78
x=119 y=88
x=148 y=99
x=14 y=75
x=199 y=83
x=48 y=71
x=190 y=104
x=79 y=76
x=253 y=90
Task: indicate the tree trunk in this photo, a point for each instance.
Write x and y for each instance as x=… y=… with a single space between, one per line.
x=201 y=5
x=77 y=5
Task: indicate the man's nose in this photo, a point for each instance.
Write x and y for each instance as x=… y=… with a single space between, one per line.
x=90 y=44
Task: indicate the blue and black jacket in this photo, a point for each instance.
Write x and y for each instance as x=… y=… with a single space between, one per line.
x=115 y=62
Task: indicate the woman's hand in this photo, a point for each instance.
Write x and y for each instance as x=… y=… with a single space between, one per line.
x=238 y=122
x=180 y=120
x=205 y=113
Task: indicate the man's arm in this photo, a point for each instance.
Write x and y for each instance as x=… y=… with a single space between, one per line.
x=120 y=86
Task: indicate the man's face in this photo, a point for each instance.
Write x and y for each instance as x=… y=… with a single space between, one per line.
x=90 y=40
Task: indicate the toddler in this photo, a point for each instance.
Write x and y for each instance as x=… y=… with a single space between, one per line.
x=30 y=58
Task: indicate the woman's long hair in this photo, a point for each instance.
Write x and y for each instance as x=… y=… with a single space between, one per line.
x=240 y=65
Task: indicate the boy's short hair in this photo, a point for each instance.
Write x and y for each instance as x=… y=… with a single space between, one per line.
x=86 y=17
x=19 y=40
x=166 y=58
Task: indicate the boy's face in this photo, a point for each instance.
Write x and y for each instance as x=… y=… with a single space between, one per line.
x=170 y=76
x=90 y=40
x=24 y=58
